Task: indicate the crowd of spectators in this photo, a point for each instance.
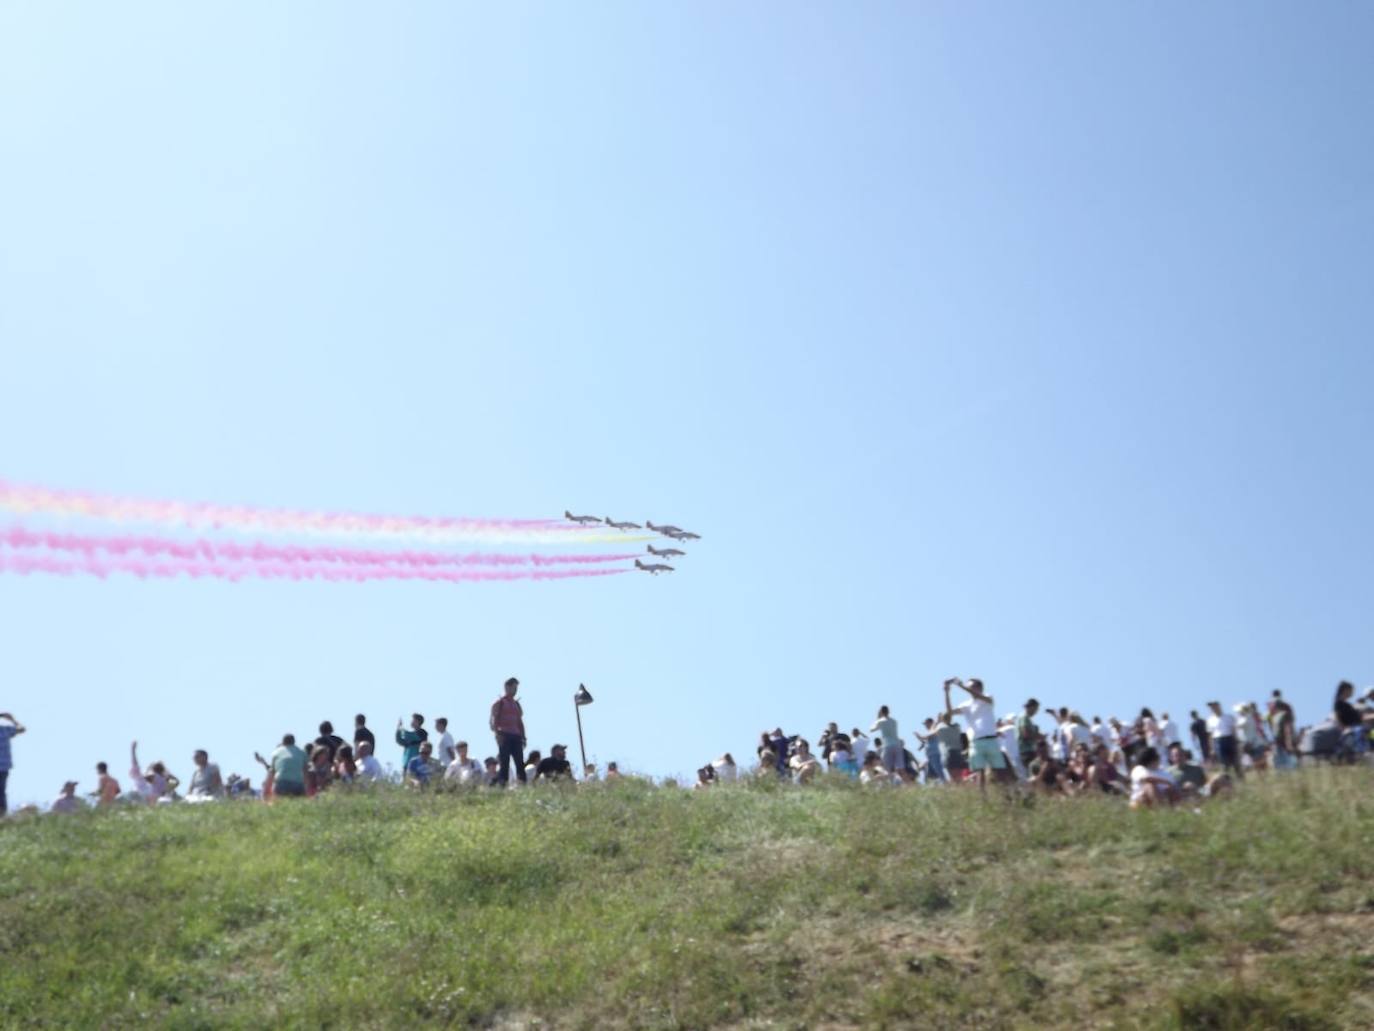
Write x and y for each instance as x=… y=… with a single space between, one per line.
x=1149 y=759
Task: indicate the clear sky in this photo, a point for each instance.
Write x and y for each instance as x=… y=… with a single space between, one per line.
x=1022 y=341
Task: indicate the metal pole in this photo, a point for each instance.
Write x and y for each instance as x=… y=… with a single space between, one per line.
x=580 y=745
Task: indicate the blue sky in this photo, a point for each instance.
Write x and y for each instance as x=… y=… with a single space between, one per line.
x=1021 y=341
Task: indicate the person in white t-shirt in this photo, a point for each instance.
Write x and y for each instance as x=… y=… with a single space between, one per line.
x=1169 y=731
x=1221 y=725
x=1149 y=784
x=444 y=750
x=894 y=757
x=803 y=764
x=859 y=744
x=985 y=747
x=726 y=770
x=464 y=769
x=369 y=769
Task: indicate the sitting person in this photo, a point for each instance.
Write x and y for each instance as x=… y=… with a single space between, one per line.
x=369 y=769
x=419 y=769
x=1046 y=773
x=1149 y=784
x=1190 y=777
x=556 y=766
x=345 y=766
x=1103 y=774
x=706 y=778
x=874 y=772
x=803 y=764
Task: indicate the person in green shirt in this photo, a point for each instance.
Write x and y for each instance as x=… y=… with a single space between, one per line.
x=288 y=768
x=411 y=740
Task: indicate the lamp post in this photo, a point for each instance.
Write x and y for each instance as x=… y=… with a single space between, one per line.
x=581 y=698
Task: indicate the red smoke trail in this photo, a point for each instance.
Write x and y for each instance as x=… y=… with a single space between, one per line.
x=230 y=551
x=173 y=568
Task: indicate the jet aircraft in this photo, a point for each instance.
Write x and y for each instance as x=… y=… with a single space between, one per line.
x=664 y=552
x=584 y=520
x=667 y=531
x=653 y=567
x=622 y=526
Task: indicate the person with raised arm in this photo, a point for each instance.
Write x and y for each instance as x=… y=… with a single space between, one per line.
x=984 y=745
x=13 y=729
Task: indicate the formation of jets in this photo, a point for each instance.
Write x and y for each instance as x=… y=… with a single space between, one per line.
x=675 y=533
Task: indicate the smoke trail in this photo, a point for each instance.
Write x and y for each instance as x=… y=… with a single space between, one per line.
x=204 y=550
x=175 y=568
x=47 y=501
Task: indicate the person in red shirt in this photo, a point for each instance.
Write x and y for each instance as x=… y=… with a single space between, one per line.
x=508 y=724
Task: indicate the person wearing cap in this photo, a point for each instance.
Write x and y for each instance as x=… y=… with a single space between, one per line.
x=1222 y=728
x=66 y=801
x=507 y=722
x=555 y=766
x=11 y=728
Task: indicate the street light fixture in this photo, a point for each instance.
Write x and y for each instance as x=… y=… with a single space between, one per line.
x=581 y=698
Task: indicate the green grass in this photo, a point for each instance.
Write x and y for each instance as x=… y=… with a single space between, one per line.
x=746 y=907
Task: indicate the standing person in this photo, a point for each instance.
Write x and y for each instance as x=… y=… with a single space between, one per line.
x=935 y=769
x=1169 y=732
x=444 y=751
x=726 y=771
x=288 y=769
x=1281 y=727
x=361 y=733
x=982 y=730
x=893 y=755
x=14 y=729
x=1354 y=737
x=205 y=782
x=859 y=745
x=329 y=740
x=1027 y=733
x=106 y=788
x=411 y=739
x=507 y=722
x=950 y=742
x=1221 y=726
x=1203 y=737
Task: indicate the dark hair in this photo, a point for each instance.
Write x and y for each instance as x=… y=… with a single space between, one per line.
x=1030 y=702
x=1147 y=755
x=511 y=681
x=1146 y=714
x=359 y=719
x=288 y=739
x=533 y=757
x=1343 y=688
x=1277 y=693
x=344 y=752
x=883 y=711
x=417 y=716
x=102 y=768
x=326 y=727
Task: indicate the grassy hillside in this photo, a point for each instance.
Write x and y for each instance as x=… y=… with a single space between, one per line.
x=755 y=906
